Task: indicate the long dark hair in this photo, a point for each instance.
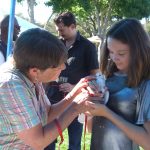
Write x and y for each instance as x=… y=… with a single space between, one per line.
x=129 y=31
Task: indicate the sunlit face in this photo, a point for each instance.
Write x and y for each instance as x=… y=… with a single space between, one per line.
x=50 y=74
x=119 y=53
x=66 y=32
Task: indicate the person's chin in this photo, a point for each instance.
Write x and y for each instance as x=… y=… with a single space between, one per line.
x=54 y=78
x=119 y=67
x=50 y=80
x=123 y=71
x=64 y=37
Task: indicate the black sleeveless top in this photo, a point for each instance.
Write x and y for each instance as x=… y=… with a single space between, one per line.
x=122 y=100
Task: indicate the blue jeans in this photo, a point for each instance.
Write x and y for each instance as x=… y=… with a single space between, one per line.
x=74 y=133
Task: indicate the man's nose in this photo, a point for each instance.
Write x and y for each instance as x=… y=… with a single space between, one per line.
x=64 y=67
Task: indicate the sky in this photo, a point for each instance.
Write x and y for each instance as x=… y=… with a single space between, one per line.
x=42 y=12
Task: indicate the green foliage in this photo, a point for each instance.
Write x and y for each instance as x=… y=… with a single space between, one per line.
x=88 y=11
x=132 y=8
x=147 y=26
x=58 y=6
x=121 y=8
x=64 y=145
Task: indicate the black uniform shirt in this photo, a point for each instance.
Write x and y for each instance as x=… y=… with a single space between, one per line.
x=82 y=58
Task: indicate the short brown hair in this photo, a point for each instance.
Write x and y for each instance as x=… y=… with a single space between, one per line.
x=38 y=48
x=67 y=18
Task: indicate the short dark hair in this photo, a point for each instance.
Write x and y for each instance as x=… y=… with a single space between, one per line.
x=38 y=48
x=129 y=31
x=67 y=18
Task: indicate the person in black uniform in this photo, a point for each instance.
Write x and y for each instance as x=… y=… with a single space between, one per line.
x=124 y=122
x=82 y=61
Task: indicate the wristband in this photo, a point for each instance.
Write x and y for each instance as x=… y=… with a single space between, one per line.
x=59 y=131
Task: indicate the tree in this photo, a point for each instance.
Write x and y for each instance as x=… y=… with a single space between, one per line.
x=48 y=20
x=31 y=4
x=95 y=16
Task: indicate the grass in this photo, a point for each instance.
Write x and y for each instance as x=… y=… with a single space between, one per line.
x=64 y=145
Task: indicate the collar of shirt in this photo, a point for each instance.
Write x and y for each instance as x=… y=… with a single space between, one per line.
x=78 y=38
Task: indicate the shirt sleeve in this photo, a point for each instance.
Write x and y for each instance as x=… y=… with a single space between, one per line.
x=144 y=111
x=18 y=111
x=91 y=57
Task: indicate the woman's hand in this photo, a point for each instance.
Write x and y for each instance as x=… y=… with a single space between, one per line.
x=82 y=85
x=97 y=109
x=80 y=102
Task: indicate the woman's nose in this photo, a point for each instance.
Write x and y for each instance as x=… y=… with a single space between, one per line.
x=114 y=58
